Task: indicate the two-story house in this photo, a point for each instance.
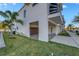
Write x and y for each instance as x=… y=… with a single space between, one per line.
x=42 y=21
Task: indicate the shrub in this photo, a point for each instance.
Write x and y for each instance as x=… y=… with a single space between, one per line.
x=77 y=32
x=64 y=33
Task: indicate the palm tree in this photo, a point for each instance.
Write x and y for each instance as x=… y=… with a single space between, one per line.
x=70 y=26
x=10 y=19
x=76 y=19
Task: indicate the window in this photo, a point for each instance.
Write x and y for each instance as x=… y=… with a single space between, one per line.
x=24 y=13
x=34 y=4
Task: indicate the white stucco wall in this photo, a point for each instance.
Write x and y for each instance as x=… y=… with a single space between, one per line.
x=36 y=13
x=58 y=29
x=23 y=29
x=43 y=26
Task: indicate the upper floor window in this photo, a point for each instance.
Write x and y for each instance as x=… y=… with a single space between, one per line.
x=24 y=13
x=34 y=4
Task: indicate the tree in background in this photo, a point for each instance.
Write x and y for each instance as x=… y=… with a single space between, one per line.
x=76 y=19
x=70 y=27
x=10 y=19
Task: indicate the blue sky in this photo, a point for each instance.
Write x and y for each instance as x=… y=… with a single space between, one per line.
x=10 y=6
x=69 y=10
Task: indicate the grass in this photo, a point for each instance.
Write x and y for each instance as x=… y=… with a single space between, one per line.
x=22 y=46
x=64 y=33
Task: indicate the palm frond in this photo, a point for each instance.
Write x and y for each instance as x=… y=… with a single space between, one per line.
x=3 y=14
x=14 y=16
x=19 y=21
x=11 y=18
x=8 y=12
x=76 y=19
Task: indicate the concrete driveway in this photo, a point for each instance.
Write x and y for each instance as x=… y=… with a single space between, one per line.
x=2 y=44
x=70 y=41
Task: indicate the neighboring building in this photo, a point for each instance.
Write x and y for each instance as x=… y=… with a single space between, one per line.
x=41 y=20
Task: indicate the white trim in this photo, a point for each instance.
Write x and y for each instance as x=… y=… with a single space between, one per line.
x=54 y=15
x=61 y=17
x=52 y=22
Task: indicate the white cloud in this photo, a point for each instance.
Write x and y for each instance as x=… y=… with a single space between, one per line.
x=64 y=6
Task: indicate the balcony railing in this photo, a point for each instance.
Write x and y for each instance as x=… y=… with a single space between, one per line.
x=54 y=8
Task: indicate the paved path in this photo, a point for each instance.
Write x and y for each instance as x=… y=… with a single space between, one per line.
x=70 y=41
x=74 y=37
x=2 y=44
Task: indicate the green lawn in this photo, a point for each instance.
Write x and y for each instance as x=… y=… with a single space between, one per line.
x=26 y=46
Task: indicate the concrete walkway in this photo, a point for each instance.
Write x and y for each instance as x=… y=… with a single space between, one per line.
x=2 y=44
x=75 y=37
x=70 y=41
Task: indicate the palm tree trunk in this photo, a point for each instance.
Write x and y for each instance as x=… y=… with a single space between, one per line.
x=11 y=32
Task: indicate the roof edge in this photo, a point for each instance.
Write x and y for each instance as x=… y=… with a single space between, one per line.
x=25 y=4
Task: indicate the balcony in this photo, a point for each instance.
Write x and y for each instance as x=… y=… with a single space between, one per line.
x=54 y=13
x=54 y=8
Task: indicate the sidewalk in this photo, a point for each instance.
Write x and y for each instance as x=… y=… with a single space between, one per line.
x=2 y=44
x=75 y=37
x=70 y=41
